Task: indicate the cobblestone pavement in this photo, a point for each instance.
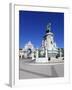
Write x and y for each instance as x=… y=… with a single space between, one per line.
x=29 y=71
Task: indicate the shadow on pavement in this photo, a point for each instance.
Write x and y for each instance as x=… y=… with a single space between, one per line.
x=35 y=73
x=54 y=74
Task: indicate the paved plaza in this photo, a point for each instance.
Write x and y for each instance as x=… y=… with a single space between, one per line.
x=28 y=69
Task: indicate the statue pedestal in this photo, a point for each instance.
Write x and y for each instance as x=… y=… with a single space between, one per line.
x=41 y=60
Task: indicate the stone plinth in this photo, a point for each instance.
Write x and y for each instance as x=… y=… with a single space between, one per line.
x=40 y=60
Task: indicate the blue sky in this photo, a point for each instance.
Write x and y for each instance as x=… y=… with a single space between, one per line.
x=32 y=27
